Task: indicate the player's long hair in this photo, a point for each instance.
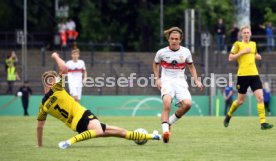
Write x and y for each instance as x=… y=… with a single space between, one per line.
x=173 y=29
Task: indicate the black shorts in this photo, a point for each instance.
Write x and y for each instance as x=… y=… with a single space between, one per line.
x=84 y=121
x=245 y=81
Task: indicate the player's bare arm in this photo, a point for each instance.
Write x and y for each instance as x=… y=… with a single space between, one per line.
x=62 y=70
x=61 y=64
x=194 y=74
x=84 y=76
x=258 y=57
x=40 y=125
x=155 y=67
x=233 y=57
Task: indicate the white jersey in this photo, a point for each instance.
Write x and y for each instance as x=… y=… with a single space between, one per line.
x=71 y=25
x=75 y=72
x=173 y=62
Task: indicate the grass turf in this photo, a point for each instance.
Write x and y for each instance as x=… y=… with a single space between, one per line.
x=192 y=139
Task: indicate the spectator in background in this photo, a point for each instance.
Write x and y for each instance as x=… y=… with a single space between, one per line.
x=228 y=96
x=12 y=76
x=220 y=36
x=62 y=32
x=71 y=31
x=269 y=35
x=77 y=74
x=234 y=31
x=11 y=60
x=26 y=91
x=266 y=91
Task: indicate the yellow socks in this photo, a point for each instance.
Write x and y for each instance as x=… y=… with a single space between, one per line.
x=131 y=135
x=260 y=107
x=88 y=134
x=261 y=112
x=233 y=108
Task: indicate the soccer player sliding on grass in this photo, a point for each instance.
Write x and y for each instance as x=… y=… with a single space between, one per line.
x=172 y=83
x=58 y=103
x=245 y=52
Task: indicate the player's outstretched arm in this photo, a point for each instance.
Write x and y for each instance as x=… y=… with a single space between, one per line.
x=40 y=125
x=61 y=64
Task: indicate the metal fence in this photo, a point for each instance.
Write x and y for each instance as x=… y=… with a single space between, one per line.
x=40 y=40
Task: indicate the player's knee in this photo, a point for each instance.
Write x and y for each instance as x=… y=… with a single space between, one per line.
x=99 y=132
x=240 y=102
x=260 y=99
x=166 y=109
x=167 y=106
x=187 y=104
x=167 y=102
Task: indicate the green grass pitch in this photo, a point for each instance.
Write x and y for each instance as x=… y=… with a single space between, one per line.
x=192 y=139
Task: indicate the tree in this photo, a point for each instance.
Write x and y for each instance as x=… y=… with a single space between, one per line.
x=269 y=15
x=134 y=23
x=212 y=10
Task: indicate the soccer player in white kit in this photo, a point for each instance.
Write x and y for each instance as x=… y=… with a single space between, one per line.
x=77 y=74
x=173 y=60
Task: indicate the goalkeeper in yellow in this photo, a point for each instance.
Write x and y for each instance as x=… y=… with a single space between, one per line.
x=245 y=52
x=58 y=103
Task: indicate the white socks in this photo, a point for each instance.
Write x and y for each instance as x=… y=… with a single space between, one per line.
x=165 y=127
x=173 y=119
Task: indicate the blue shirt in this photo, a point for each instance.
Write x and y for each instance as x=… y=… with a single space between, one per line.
x=227 y=90
x=269 y=31
x=266 y=95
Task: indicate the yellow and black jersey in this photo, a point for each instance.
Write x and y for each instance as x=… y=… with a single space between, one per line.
x=247 y=62
x=58 y=103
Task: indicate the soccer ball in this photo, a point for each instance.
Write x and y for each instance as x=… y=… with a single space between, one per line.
x=19 y=94
x=141 y=142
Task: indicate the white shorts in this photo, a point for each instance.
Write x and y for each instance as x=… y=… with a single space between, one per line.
x=177 y=89
x=75 y=91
